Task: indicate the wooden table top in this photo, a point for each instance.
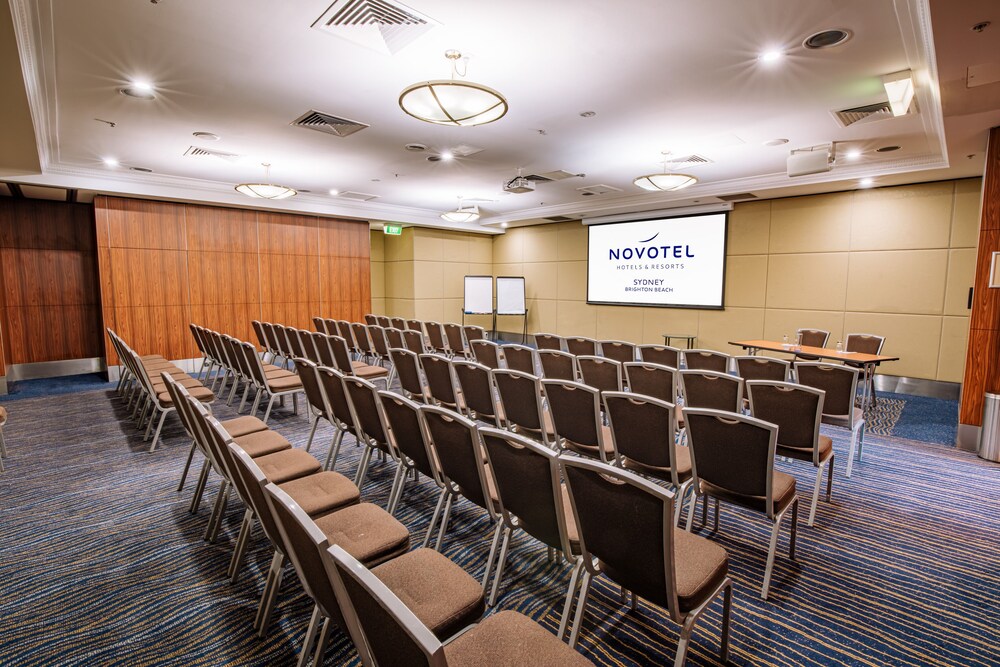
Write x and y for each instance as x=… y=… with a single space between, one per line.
x=822 y=352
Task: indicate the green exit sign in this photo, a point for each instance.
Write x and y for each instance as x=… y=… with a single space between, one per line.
x=392 y=230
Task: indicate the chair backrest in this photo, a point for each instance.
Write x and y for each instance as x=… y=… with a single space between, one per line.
x=547 y=341
x=295 y=342
x=344 y=331
x=794 y=408
x=477 y=390
x=618 y=350
x=435 y=335
x=557 y=365
x=370 y=319
x=486 y=352
x=320 y=324
x=274 y=340
x=649 y=379
x=865 y=343
x=440 y=382
x=580 y=346
x=337 y=406
x=341 y=354
x=732 y=452
x=521 y=397
x=600 y=372
x=812 y=337
x=381 y=626
x=407 y=365
x=528 y=486
x=640 y=549
x=362 y=397
x=380 y=344
x=519 y=357
x=415 y=325
x=763 y=368
x=252 y=477
x=258 y=331
x=414 y=341
x=456 y=442
x=310 y=385
x=453 y=332
x=660 y=354
x=324 y=351
x=839 y=382
x=472 y=332
x=708 y=389
x=394 y=337
x=360 y=332
x=402 y=417
x=706 y=360
x=383 y=321
x=398 y=323
x=643 y=430
x=576 y=417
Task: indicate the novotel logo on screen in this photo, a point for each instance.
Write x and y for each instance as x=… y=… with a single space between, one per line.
x=651 y=251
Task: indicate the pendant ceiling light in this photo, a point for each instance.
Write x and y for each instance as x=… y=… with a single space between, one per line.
x=467 y=214
x=265 y=190
x=453 y=101
x=665 y=181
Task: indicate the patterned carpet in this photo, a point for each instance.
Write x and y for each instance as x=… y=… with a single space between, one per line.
x=101 y=563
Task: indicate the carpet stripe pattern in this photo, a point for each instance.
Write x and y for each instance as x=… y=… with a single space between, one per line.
x=102 y=564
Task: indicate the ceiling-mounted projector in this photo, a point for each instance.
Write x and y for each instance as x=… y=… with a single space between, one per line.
x=814 y=160
x=519 y=185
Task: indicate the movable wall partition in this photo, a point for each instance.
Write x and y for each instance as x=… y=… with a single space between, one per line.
x=164 y=265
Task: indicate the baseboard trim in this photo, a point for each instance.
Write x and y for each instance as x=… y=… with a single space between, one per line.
x=968 y=437
x=51 y=369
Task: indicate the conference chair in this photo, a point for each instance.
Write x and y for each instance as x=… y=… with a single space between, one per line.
x=3 y=442
x=275 y=344
x=705 y=360
x=414 y=325
x=866 y=344
x=531 y=498
x=618 y=350
x=362 y=397
x=414 y=341
x=435 y=336
x=370 y=319
x=810 y=338
x=455 y=339
x=643 y=437
x=580 y=346
x=363 y=343
x=645 y=554
x=841 y=385
x=486 y=352
x=557 y=365
x=338 y=410
x=797 y=411
x=520 y=400
x=600 y=372
x=472 y=333
x=316 y=401
x=649 y=379
x=402 y=421
x=441 y=382
x=411 y=382
x=273 y=387
x=380 y=345
x=732 y=460
x=547 y=341
x=388 y=632
x=709 y=389
x=577 y=420
x=663 y=355
x=396 y=323
x=383 y=321
x=158 y=400
x=203 y=348
x=478 y=393
x=365 y=371
x=518 y=357
x=761 y=368
x=394 y=337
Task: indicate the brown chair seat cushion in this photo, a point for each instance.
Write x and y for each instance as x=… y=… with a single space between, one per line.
x=367 y=372
x=282 y=384
x=806 y=454
x=440 y=593
x=241 y=426
x=700 y=564
x=683 y=458
x=782 y=491
x=3 y=415
x=203 y=394
x=322 y=493
x=287 y=465
x=271 y=367
x=510 y=639
x=186 y=381
x=262 y=443
x=152 y=357
x=367 y=532
x=168 y=368
x=278 y=373
x=843 y=420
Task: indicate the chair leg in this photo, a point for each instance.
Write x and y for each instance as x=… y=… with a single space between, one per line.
x=215 y=522
x=829 y=479
x=795 y=528
x=692 y=507
x=498 y=532
x=331 y=457
x=187 y=465
x=243 y=401
x=727 y=604
x=396 y=492
x=232 y=393
x=684 y=640
x=570 y=596
x=581 y=605
x=770 y=556
x=501 y=561
x=236 y=562
x=363 y=466
x=310 y=640
x=434 y=518
x=258 y=394
x=321 y=643
x=159 y=427
x=199 y=488
x=851 y=452
x=444 y=522
x=312 y=431
x=715 y=528
x=270 y=404
x=271 y=587
x=815 y=499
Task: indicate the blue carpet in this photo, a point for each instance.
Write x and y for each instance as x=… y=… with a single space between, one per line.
x=103 y=565
x=53 y=386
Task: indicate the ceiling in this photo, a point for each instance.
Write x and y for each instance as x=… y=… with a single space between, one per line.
x=659 y=75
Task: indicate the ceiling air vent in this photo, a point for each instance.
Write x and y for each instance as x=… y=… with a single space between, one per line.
x=198 y=151
x=737 y=197
x=549 y=176
x=560 y=218
x=687 y=161
x=357 y=196
x=866 y=114
x=381 y=25
x=599 y=189
x=328 y=123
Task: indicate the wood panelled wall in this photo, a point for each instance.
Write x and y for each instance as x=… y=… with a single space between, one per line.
x=982 y=361
x=49 y=302
x=164 y=265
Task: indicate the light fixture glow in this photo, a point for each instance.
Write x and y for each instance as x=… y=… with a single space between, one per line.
x=334 y=192
x=899 y=89
x=665 y=181
x=504 y=225
x=770 y=56
x=866 y=182
x=451 y=101
x=447 y=156
x=461 y=215
x=111 y=162
x=142 y=85
x=142 y=90
x=265 y=190
x=852 y=154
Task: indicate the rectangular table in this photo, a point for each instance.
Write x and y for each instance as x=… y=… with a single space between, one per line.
x=867 y=362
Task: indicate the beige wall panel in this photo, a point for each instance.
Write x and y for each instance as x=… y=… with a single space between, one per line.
x=451 y=310
x=778 y=323
x=378 y=280
x=453 y=280
x=399 y=280
x=399 y=248
x=378 y=306
x=912 y=216
x=429 y=310
x=455 y=246
x=903 y=281
x=816 y=281
x=428 y=244
x=749 y=228
x=966 y=213
x=954 y=340
x=399 y=307
x=658 y=321
x=543 y=315
x=508 y=270
x=540 y=280
x=377 y=240
x=915 y=339
x=485 y=269
x=820 y=223
x=620 y=323
x=961 y=275
x=717 y=327
x=541 y=243
x=746 y=281
x=574 y=318
x=508 y=248
x=572 y=240
x=572 y=279
x=480 y=249
x=484 y=321
x=428 y=278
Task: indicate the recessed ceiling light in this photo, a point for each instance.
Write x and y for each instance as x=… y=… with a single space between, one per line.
x=447 y=156
x=853 y=154
x=824 y=39
x=415 y=148
x=334 y=192
x=775 y=142
x=886 y=149
x=770 y=56
x=111 y=162
x=144 y=170
x=583 y=114
x=504 y=225
x=142 y=90
x=866 y=182
x=207 y=136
